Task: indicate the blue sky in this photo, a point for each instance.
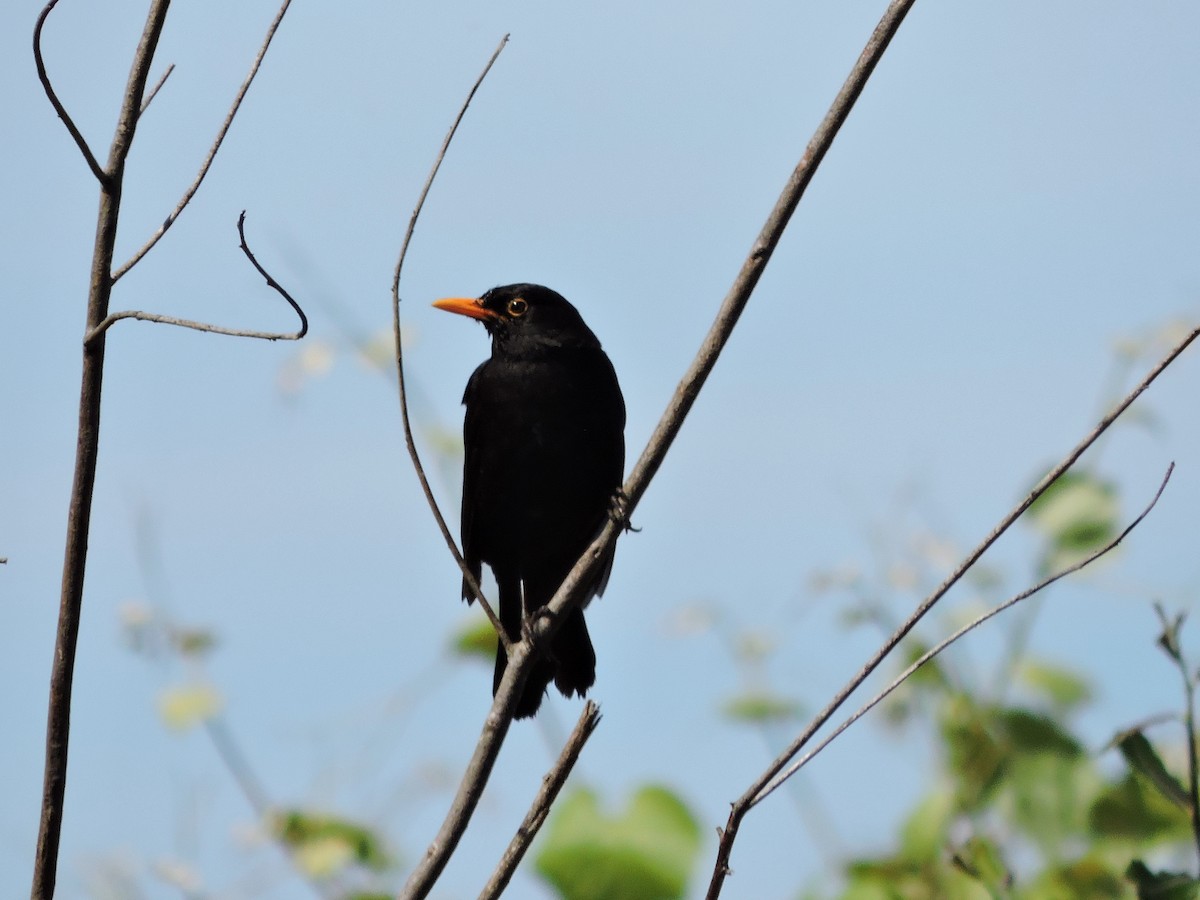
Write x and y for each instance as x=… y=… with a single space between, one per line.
x=1015 y=193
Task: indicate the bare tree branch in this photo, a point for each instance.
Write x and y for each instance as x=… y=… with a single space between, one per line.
x=748 y=799
x=469 y=577
x=929 y=654
x=140 y=316
x=552 y=783
x=570 y=593
x=475 y=777
x=153 y=92
x=80 y=141
x=58 y=720
x=100 y=283
x=212 y=152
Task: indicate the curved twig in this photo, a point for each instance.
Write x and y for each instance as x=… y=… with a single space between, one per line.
x=469 y=577
x=212 y=152
x=929 y=654
x=570 y=593
x=102 y=176
x=552 y=783
x=140 y=316
x=747 y=800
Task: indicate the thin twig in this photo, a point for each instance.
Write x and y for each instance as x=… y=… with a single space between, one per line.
x=153 y=92
x=212 y=152
x=1171 y=643
x=552 y=783
x=1189 y=724
x=942 y=645
x=469 y=577
x=570 y=593
x=747 y=800
x=243 y=773
x=475 y=777
x=80 y=142
x=140 y=316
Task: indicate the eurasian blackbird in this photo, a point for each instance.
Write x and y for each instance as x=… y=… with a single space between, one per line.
x=544 y=454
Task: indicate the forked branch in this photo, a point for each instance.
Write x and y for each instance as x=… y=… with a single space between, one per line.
x=552 y=783
x=208 y=160
x=571 y=592
x=755 y=792
x=935 y=650
x=111 y=178
x=140 y=316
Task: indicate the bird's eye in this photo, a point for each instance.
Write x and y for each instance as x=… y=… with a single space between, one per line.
x=517 y=307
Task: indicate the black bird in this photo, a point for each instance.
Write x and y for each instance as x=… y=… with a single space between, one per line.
x=544 y=454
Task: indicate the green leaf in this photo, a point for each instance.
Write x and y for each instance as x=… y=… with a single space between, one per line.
x=194 y=642
x=977 y=759
x=1045 y=796
x=980 y=859
x=930 y=675
x=325 y=844
x=1077 y=515
x=476 y=638
x=1089 y=878
x=923 y=835
x=1062 y=687
x=758 y=708
x=753 y=646
x=900 y=878
x=1162 y=885
x=1139 y=753
x=645 y=853
x=1030 y=732
x=1169 y=639
x=1131 y=810
x=187 y=705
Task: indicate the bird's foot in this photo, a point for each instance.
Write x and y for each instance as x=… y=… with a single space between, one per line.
x=529 y=630
x=618 y=510
x=530 y=622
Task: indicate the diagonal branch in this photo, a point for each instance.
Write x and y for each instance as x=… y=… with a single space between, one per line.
x=80 y=142
x=748 y=799
x=929 y=654
x=469 y=577
x=552 y=783
x=153 y=92
x=140 y=316
x=570 y=593
x=212 y=152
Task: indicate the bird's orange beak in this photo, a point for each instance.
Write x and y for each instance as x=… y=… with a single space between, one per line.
x=465 y=306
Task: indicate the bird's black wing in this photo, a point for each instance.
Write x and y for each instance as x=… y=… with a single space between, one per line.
x=610 y=437
x=473 y=449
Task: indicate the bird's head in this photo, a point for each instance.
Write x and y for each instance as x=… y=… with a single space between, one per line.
x=524 y=319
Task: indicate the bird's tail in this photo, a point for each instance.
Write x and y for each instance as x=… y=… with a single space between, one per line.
x=569 y=661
